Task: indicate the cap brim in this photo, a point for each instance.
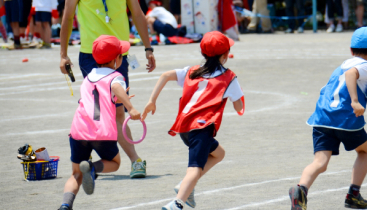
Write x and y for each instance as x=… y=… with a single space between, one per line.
x=231 y=42
x=124 y=46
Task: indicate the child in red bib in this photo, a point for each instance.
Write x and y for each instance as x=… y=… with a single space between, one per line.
x=205 y=92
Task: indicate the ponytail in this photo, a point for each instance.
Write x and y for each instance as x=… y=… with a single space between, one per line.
x=210 y=66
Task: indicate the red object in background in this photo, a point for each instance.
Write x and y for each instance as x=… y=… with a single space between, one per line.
x=55 y=14
x=158 y=3
x=33 y=11
x=226 y=15
x=2 y=11
x=25 y=60
x=230 y=56
x=180 y=40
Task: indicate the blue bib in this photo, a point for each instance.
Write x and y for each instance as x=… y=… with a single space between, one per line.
x=333 y=109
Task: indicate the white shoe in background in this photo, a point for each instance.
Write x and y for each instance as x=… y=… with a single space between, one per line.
x=331 y=28
x=339 y=28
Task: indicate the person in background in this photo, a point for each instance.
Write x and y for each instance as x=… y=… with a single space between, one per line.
x=227 y=18
x=175 y=7
x=161 y=21
x=45 y=9
x=345 y=4
x=2 y=28
x=300 y=5
x=24 y=9
x=359 y=5
x=13 y=19
x=335 y=6
x=260 y=7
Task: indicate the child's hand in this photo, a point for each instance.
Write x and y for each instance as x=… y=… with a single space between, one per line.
x=127 y=90
x=150 y=107
x=134 y=114
x=357 y=108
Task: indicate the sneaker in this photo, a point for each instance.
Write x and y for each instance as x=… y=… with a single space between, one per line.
x=288 y=31
x=298 y=198
x=300 y=30
x=46 y=46
x=173 y=205
x=355 y=202
x=88 y=171
x=24 y=41
x=64 y=207
x=191 y=199
x=339 y=28
x=331 y=28
x=138 y=169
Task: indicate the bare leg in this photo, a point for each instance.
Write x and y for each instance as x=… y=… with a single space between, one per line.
x=318 y=166
x=40 y=29
x=15 y=28
x=113 y=165
x=193 y=174
x=360 y=165
x=75 y=180
x=128 y=148
x=47 y=32
x=359 y=14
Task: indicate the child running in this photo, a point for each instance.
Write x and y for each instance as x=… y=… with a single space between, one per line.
x=94 y=124
x=205 y=92
x=339 y=118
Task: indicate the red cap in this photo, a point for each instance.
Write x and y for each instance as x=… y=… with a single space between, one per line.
x=106 y=48
x=158 y=3
x=215 y=43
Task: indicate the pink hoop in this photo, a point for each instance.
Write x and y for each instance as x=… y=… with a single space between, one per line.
x=125 y=135
x=243 y=108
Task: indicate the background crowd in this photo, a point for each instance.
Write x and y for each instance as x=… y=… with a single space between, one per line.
x=37 y=23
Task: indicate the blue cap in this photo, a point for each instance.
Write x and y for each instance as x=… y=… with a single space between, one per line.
x=359 y=38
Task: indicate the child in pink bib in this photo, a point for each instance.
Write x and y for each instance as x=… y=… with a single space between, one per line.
x=94 y=124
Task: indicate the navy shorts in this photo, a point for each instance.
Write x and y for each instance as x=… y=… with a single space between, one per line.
x=165 y=29
x=201 y=143
x=43 y=17
x=81 y=149
x=87 y=63
x=12 y=9
x=327 y=139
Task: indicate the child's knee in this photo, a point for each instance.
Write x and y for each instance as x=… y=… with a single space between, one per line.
x=321 y=166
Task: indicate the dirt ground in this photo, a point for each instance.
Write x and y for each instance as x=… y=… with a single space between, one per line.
x=266 y=149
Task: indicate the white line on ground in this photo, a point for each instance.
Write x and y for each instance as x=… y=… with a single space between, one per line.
x=36 y=117
x=227 y=189
x=34 y=100
x=284 y=198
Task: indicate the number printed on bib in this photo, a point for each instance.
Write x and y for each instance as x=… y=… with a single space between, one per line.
x=202 y=86
x=336 y=101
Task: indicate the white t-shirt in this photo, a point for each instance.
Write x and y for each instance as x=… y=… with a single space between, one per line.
x=362 y=70
x=45 y=5
x=164 y=16
x=233 y=92
x=98 y=73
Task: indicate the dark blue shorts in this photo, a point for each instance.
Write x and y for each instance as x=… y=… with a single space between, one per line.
x=165 y=29
x=43 y=17
x=327 y=139
x=87 y=63
x=81 y=149
x=12 y=9
x=201 y=143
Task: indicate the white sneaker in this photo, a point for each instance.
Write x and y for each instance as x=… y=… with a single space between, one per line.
x=300 y=30
x=191 y=199
x=24 y=40
x=331 y=28
x=173 y=205
x=339 y=28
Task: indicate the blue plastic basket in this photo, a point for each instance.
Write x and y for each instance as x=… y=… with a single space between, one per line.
x=41 y=169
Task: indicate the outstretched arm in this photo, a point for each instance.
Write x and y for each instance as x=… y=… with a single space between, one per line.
x=351 y=77
x=124 y=98
x=66 y=28
x=142 y=27
x=165 y=77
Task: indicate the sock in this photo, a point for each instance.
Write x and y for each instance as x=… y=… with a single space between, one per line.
x=68 y=199
x=16 y=40
x=179 y=203
x=304 y=188
x=98 y=166
x=3 y=32
x=354 y=189
x=37 y=35
x=21 y=35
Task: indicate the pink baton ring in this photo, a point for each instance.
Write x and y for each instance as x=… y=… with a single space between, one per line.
x=125 y=135
x=243 y=108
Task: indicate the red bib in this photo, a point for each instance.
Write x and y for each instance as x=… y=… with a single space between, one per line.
x=202 y=102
